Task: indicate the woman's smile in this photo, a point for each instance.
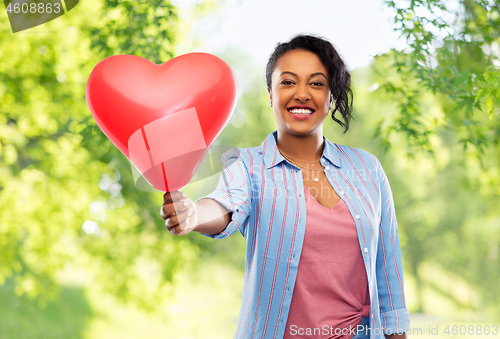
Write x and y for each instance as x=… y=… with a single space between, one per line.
x=301 y=112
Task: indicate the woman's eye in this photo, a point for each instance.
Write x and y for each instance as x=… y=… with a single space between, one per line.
x=317 y=84
x=287 y=82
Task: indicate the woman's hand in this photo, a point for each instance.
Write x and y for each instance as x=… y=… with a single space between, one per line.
x=179 y=213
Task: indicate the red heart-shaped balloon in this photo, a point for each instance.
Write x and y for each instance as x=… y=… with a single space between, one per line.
x=163 y=118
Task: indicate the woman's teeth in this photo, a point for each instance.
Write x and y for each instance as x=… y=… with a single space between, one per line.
x=301 y=111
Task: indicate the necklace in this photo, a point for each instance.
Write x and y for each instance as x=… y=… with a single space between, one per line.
x=315 y=178
x=289 y=157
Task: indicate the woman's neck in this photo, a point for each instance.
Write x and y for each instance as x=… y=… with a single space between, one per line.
x=304 y=147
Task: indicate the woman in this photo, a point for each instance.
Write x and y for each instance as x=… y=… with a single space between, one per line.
x=301 y=198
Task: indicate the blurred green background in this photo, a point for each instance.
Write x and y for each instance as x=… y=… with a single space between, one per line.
x=430 y=113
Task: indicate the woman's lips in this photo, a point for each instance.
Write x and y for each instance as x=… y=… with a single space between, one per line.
x=300 y=113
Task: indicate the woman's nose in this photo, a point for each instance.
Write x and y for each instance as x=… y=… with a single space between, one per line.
x=302 y=93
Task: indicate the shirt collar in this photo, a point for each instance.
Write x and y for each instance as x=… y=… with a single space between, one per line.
x=273 y=157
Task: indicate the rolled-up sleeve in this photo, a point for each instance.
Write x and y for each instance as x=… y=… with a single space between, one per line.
x=395 y=315
x=233 y=192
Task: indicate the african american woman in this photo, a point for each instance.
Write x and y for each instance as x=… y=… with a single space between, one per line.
x=323 y=258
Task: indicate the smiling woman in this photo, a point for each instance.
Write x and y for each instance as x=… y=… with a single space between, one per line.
x=323 y=258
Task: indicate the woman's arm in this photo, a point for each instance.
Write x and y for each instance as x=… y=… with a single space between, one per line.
x=213 y=218
x=182 y=215
x=395 y=336
x=226 y=210
x=389 y=265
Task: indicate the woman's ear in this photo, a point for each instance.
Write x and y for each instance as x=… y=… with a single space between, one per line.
x=270 y=96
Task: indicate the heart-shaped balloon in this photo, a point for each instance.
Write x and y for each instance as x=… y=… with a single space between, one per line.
x=163 y=118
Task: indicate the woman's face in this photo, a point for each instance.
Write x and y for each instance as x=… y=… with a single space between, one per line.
x=300 y=95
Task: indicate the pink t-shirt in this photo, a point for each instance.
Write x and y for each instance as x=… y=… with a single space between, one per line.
x=331 y=288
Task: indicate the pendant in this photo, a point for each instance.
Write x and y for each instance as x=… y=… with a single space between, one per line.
x=316 y=179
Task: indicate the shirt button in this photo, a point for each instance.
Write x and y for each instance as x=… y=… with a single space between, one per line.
x=327 y=168
x=366 y=250
x=357 y=216
x=341 y=192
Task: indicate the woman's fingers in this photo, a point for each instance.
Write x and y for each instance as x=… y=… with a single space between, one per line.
x=179 y=223
x=176 y=210
x=173 y=209
x=179 y=229
x=173 y=204
x=170 y=197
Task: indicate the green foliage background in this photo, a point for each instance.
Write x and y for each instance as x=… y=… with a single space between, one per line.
x=430 y=113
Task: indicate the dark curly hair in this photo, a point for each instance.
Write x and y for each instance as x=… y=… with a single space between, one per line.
x=338 y=75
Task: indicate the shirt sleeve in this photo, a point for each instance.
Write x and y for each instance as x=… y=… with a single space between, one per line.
x=389 y=266
x=233 y=192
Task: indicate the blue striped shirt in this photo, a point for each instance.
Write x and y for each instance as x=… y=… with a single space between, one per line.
x=265 y=194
